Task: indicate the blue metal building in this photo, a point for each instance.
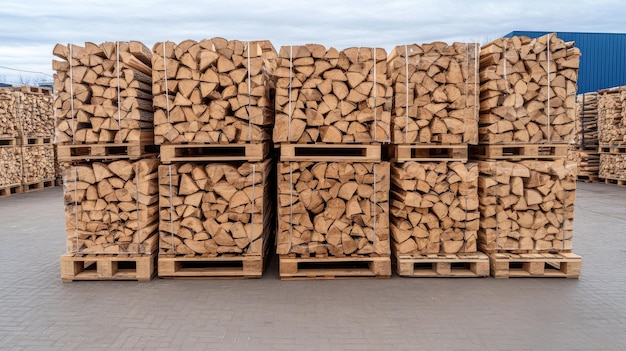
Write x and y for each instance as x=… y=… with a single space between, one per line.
x=603 y=59
x=5 y=85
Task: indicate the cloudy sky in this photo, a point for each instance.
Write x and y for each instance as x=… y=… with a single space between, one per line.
x=29 y=29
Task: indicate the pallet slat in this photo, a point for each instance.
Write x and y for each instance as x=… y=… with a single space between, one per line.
x=559 y=265
x=518 y=151
x=133 y=150
x=238 y=266
x=457 y=265
x=108 y=267
x=405 y=153
x=330 y=152
x=214 y=152
x=305 y=268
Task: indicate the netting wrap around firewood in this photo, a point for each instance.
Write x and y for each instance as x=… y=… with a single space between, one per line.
x=526 y=205
x=434 y=207
x=333 y=208
x=435 y=93
x=111 y=207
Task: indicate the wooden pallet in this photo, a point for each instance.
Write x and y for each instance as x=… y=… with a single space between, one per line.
x=108 y=267
x=226 y=266
x=36 y=140
x=42 y=184
x=587 y=178
x=9 y=141
x=435 y=153
x=331 y=152
x=558 y=265
x=108 y=151
x=306 y=268
x=612 y=149
x=615 y=181
x=214 y=152
x=518 y=151
x=11 y=189
x=35 y=90
x=443 y=265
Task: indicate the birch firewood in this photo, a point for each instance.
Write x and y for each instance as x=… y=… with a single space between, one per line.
x=9 y=119
x=10 y=165
x=38 y=163
x=612 y=116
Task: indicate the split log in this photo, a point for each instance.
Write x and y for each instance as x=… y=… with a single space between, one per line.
x=111 y=207
x=434 y=207
x=526 y=205
x=333 y=208
x=528 y=90
x=612 y=116
x=215 y=208
x=213 y=91
x=104 y=92
x=587 y=121
x=9 y=118
x=10 y=165
x=38 y=163
x=330 y=96
x=435 y=93
x=612 y=166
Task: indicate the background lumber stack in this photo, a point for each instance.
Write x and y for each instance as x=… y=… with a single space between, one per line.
x=10 y=167
x=435 y=93
x=214 y=115
x=104 y=133
x=612 y=134
x=213 y=91
x=9 y=119
x=585 y=148
x=104 y=95
x=330 y=96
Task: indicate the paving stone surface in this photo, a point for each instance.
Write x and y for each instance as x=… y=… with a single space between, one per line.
x=39 y=312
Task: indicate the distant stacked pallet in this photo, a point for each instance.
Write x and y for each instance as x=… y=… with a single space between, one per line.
x=214 y=112
x=28 y=119
x=10 y=167
x=434 y=201
x=333 y=109
x=104 y=101
x=585 y=149
x=109 y=166
x=612 y=134
x=526 y=189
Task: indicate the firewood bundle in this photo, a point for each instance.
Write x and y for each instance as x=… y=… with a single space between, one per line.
x=333 y=208
x=37 y=114
x=111 y=207
x=104 y=92
x=10 y=165
x=213 y=91
x=526 y=205
x=434 y=207
x=436 y=87
x=612 y=115
x=215 y=208
x=528 y=90
x=612 y=166
x=586 y=120
x=9 y=119
x=38 y=163
x=330 y=96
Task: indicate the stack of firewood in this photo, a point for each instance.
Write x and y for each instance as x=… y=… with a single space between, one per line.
x=612 y=133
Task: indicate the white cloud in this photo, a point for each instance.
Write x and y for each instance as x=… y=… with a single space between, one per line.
x=30 y=29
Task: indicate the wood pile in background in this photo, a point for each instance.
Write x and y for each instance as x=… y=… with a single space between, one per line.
x=213 y=91
x=333 y=209
x=435 y=93
x=587 y=163
x=613 y=165
x=434 y=208
x=612 y=116
x=104 y=92
x=528 y=90
x=211 y=209
x=330 y=96
x=10 y=165
x=9 y=119
x=586 y=136
x=38 y=163
x=111 y=207
x=526 y=206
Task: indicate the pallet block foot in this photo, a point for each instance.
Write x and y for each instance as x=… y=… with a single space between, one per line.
x=443 y=265
x=305 y=268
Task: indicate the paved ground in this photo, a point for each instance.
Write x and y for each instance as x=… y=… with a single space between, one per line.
x=39 y=312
